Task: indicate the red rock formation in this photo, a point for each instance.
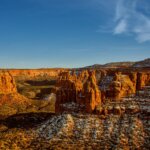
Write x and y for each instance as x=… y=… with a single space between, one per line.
x=81 y=89
x=92 y=93
x=9 y=98
x=120 y=86
x=68 y=88
x=7 y=83
x=81 y=86
x=142 y=80
x=133 y=78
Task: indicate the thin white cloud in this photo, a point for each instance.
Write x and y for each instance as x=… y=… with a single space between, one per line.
x=121 y=27
x=129 y=20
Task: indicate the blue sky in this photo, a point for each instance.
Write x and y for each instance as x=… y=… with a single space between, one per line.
x=72 y=33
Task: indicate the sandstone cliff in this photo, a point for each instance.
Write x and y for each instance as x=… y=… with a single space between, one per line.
x=10 y=100
x=7 y=83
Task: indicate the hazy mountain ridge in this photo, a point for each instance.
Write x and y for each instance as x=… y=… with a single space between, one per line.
x=126 y=64
x=143 y=63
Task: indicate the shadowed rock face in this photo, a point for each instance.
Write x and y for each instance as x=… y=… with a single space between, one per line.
x=79 y=88
x=68 y=88
x=7 y=83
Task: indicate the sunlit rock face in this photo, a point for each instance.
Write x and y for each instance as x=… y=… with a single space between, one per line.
x=118 y=85
x=80 y=87
x=7 y=83
x=121 y=86
x=92 y=93
x=92 y=88
x=143 y=79
x=34 y=73
x=10 y=100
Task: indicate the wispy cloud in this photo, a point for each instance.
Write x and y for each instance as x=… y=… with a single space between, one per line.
x=130 y=20
x=121 y=27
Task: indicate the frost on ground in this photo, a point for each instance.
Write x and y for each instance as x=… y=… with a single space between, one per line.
x=56 y=126
x=91 y=130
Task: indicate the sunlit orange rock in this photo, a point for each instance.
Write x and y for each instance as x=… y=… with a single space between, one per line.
x=7 y=83
x=8 y=93
x=121 y=86
x=92 y=93
x=142 y=79
x=33 y=73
